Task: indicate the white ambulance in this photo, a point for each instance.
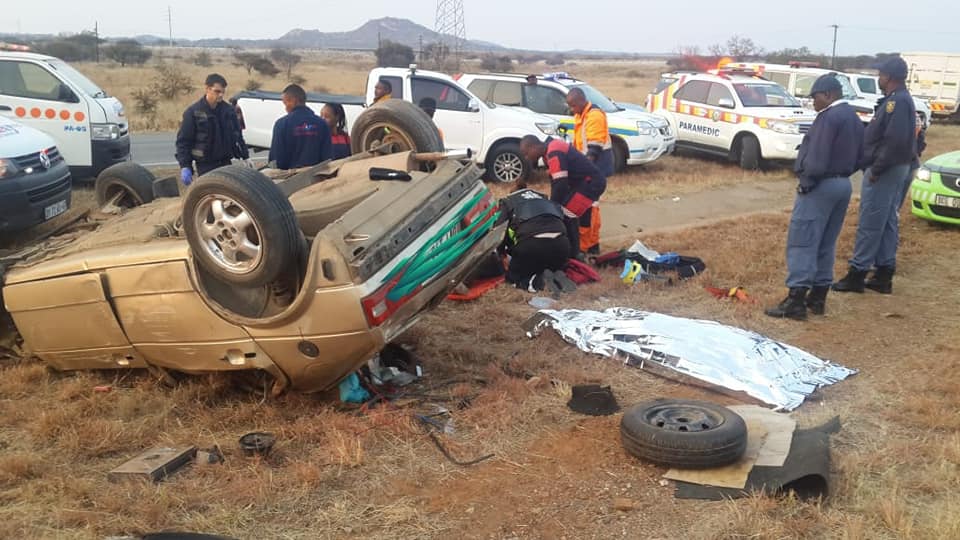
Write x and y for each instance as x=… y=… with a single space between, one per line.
x=45 y=93
x=733 y=114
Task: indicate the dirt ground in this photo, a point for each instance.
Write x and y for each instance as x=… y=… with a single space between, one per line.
x=339 y=472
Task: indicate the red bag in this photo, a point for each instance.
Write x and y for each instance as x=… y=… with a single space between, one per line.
x=580 y=273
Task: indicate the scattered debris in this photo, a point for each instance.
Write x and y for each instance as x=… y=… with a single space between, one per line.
x=676 y=199
x=704 y=353
x=593 y=400
x=542 y=302
x=893 y=315
x=429 y=424
x=257 y=443
x=736 y=293
x=351 y=391
x=625 y=505
x=154 y=464
x=210 y=456
x=103 y=389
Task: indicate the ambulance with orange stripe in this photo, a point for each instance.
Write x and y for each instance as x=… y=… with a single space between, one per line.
x=47 y=94
x=732 y=113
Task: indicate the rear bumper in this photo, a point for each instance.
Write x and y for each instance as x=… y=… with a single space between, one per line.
x=24 y=199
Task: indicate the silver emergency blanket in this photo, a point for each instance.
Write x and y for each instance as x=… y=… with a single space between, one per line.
x=705 y=353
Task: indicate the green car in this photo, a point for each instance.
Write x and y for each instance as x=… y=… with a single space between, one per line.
x=935 y=192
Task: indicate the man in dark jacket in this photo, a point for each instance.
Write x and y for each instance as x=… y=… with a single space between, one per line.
x=210 y=133
x=301 y=138
x=536 y=238
x=829 y=154
x=890 y=147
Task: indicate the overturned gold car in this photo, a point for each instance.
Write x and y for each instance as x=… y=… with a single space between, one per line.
x=303 y=275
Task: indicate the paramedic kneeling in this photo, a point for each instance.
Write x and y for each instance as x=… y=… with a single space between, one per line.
x=536 y=237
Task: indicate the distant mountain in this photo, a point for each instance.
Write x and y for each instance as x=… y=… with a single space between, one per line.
x=365 y=37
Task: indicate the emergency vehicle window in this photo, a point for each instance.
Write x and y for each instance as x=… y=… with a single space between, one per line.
x=507 y=93
x=804 y=84
x=867 y=86
x=25 y=80
x=481 y=89
x=764 y=95
x=783 y=79
x=718 y=92
x=545 y=100
x=695 y=91
x=447 y=96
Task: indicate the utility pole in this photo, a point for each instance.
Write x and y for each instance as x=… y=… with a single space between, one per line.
x=420 y=52
x=96 y=41
x=833 y=58
x=170 y=26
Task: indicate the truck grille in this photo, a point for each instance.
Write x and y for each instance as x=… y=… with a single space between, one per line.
x=33 y=160
x=949 y=181
x=43 y=193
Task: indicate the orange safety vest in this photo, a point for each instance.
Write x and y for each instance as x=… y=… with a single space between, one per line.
x=590 y=128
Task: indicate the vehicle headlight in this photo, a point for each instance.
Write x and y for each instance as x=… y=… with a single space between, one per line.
x=8 y=168
x=923 y=174
x=549 y=128
x=104 y=132
x=646 y=128
x=788 y=128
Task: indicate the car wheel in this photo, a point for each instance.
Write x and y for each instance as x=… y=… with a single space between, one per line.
x=125 y=185
x=240 y=226
x=394 y=126
x=749 y=153
x=619 y=156
x=684 y=433
x=506 y=164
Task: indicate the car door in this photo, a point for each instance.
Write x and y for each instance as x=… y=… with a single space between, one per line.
x=458 y=116
x=690 y=112
x=32 y=95
x=548 y=101
x=723 y=119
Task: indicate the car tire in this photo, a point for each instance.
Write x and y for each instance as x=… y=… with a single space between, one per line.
x=401 y=124
x=167 y=187
x=240 y=226
x=619 y=156
x=126 y=184
x=505 y=163
x=750 y=158
x=685 y=434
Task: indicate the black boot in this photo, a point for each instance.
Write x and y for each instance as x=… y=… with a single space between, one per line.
x=793 y=306
x=852 y=282
x=882 y=280
x=817 y=300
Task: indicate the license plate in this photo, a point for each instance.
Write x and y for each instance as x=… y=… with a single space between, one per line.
x=949 y=202
x=54 y=210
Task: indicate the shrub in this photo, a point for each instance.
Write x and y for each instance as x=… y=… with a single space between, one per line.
x=492 y=62
x=391 y=54
x=170 y=82
x=203 y=59
x=253 y=85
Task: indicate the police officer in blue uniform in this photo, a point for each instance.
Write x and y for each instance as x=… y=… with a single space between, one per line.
x=890 y=146
x=301 y=138
x=829 y=154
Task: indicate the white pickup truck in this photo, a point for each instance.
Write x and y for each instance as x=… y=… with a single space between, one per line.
x=491 y=132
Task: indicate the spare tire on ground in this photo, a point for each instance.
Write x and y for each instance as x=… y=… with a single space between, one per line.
x=126 y=185
x=240 y=226
x=686 y=434
x=399 y=125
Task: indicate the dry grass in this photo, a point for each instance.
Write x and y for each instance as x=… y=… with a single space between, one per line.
x=340 y=474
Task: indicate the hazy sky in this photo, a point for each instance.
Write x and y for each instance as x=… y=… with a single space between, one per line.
x=625 y=25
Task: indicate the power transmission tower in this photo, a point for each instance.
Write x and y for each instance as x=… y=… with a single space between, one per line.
x=833 y=58
x=451 y=27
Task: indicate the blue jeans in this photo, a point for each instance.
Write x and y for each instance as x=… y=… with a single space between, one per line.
x=814 y=228
x=878 y=231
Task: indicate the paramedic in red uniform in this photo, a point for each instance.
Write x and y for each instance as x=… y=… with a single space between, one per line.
x=576 y=182
x=337 y=121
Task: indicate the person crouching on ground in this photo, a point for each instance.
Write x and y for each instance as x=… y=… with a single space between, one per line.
x=829 y=154
x=536 y=238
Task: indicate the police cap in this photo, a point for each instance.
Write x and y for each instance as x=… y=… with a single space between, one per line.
x=894 y=67
x=826 y=84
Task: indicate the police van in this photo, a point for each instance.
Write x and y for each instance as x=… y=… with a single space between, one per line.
x=46 y=93
x=732 y=113
x=35 y=183
x=638 y=137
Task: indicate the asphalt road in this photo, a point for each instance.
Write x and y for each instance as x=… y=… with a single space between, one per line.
x=157 y=148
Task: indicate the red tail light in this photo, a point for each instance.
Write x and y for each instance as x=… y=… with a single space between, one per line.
x=457 y=76
x=378 y=308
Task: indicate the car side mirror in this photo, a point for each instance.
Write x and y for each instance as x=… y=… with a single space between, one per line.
x=473 y=105
x=65 y=94
x=726 y=103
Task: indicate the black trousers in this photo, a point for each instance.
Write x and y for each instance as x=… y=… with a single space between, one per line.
x=207 y=166
x=532 y=256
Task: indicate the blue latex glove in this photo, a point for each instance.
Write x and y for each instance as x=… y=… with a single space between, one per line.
x=186 y=174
